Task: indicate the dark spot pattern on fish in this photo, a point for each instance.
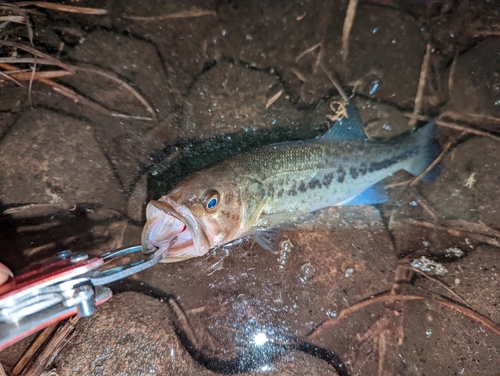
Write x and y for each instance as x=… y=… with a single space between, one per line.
x=293 y=190
x=353 y=172
x=314 y=183
x=270 y=190
x=341 y=174
x=280 y=193
x=377 y=166
x=302 y=187
x=327 y=179
x=362 y=169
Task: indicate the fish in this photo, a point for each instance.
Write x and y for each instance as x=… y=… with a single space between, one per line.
x=261 y=192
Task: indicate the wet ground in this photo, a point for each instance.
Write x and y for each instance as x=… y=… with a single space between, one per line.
x=171 y=95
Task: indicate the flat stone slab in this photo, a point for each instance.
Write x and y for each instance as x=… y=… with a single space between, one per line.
x=51 y=158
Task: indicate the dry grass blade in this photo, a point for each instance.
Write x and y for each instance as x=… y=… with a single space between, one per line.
x=455 y=232
x=80 y=99
x=299 y=75
x=67 y=92
x=134 y=92
x=185 y=14
x=308 y=50
x=458 y=127
x=38 y=54
x=432 y=165
x=31 y=210
x=15 y=19
x=421 y=86
x=11 y=79
x=26 y=76
x=273 y=99
x=23 y=60
x=64 y=8
x=346 y=30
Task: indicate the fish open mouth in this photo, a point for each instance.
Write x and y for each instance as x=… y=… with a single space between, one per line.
x=172 y=228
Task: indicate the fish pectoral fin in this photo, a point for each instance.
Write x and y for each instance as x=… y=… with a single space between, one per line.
x=347 y=128
x=375 y=194
x=269 y=239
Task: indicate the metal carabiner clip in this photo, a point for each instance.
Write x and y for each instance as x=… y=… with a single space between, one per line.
x=60 y=287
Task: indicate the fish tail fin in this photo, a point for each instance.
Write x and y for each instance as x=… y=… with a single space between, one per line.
x=426 y=140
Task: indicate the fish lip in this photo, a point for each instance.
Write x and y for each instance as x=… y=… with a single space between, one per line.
x=171 y=208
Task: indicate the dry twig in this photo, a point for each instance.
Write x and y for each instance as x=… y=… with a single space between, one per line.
x=34 y=347
x=185 y=14
x=458 y=127
x=480 y=227
x=183 y=322
x=387 y=297
x=437 y=281
x=467 y=116
x=455 y=231
x=346 y=30
x=134 y=92
x=273 y=99
x=427 y=209
x=299 y=75
x=38 y=54
x=432 y=165
x=306 y=51
x=28 y=76
x=64 y=8
x=356 y=307
x=2 y=370
x=421 y=86
x=336 y=84
x=3 y=74
x=55 y=344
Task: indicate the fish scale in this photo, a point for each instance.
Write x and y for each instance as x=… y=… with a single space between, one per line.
x=306 y=176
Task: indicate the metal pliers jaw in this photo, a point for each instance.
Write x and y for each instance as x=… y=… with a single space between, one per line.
x=60 y=287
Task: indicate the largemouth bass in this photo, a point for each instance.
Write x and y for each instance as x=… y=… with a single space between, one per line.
x=257 y=192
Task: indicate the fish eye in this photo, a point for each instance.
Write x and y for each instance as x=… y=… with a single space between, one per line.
x=212 y=201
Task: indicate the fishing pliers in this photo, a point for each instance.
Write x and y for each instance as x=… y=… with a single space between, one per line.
x=60 y=287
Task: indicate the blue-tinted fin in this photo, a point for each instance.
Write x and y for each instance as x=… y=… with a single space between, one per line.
x=376 y=194
x=429 y=150
x=269 y=239
x=349 y=128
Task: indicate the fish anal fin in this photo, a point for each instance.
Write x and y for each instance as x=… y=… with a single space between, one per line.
x=375 y=194
x=347 y=128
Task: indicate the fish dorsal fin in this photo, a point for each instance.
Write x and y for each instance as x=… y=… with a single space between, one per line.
x=347 y=128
